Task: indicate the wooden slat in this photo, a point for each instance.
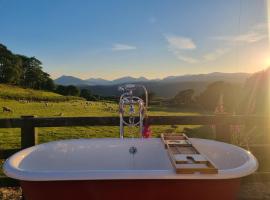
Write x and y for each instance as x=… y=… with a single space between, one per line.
x=75 y=121
x=29 y=135
x=186 y=162
x=114 y=121
x=11 y=123
x=206 y=120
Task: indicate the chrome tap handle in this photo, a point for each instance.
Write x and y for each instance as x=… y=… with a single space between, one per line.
x=127 y=99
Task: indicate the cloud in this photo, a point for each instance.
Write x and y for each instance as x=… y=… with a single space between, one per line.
x=249 y=37
x=181 y=46
x=257 y=33
x=185 y=58
x=180 y=43
x=123 y=47
x=215 y=54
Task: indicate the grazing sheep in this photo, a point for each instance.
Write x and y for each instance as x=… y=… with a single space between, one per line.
x=174 y=126
x=60 y=114
x=23 y=101
x=110 y=108
x=7 y=109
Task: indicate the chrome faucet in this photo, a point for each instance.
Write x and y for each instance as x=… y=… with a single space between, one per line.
x=128 y=99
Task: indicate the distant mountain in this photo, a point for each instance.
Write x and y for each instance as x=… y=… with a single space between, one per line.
x=97 y=81
x=161 y=89
x=215 y=76
x=69 y=80
x=129 y=79
x=166 y=87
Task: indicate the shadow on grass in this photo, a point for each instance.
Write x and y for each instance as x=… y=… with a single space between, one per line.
x=205 y=132
x=177 y=109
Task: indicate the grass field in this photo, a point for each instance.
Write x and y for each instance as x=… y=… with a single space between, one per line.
x=10 y=138
x=47 y=104
x=17 y=93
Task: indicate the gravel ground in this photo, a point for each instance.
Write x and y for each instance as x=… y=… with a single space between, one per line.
x=9 y=193
x=255 y=190
x=249 y=191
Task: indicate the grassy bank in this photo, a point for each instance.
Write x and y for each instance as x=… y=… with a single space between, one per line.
x=10 y=138
x=24 y=94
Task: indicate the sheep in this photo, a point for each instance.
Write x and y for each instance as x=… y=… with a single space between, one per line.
x=60 y=114
x=174 y=126
x=7 y=109
x=88 y=103
x=23 y=101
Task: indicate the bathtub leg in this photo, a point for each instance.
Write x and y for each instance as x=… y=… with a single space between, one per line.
x=23 y=198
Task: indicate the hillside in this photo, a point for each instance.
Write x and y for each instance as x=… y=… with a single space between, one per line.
x=211 y=77
x=18 y=93
x=160 y=89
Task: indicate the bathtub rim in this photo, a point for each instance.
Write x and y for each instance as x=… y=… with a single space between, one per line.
x=250 y=166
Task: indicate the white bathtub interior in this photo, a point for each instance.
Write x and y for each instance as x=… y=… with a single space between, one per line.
x=109 y=158
x=98 y=154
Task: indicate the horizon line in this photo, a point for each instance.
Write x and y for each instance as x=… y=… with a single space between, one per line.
x=191 y=74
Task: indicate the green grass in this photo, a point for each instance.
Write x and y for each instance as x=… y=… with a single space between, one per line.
x=18 y=93
x=10 y=138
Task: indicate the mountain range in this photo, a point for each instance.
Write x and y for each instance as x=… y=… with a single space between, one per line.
x=166 y=87
x=215 y=76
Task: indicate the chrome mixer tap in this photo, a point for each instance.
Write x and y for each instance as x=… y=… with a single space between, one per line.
x=128 y=99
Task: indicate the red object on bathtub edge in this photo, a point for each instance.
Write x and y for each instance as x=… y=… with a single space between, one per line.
x=147 y=132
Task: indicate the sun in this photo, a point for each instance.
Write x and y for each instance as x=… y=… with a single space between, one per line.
x=267 y=62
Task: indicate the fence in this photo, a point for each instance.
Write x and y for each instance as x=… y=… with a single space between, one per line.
x=29 y=125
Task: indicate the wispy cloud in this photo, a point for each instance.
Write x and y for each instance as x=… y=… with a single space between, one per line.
x=257 y=33
x=249 y=37
x=180 y=43
x=185 y=58
x=123 y=47
x=215 y=54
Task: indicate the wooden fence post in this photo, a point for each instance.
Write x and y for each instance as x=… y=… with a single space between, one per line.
x=29 y=136
x=223 y=132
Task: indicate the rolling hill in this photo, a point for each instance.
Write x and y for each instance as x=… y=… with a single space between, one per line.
x=166 y=87
x=19 y=93
x=215 y=76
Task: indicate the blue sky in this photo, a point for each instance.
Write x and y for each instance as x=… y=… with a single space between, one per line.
x=151 y=38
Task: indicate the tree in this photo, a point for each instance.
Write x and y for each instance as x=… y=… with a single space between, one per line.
x=23 y=71
x=10 y=69
x=231 y=92
x=256 y=96
x=48 y=84
x=86 y=94
x=60 y=89
x=184 y=97
x=72 y=90
x=151 y=96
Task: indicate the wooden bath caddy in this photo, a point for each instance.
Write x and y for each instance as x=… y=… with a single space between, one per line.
x=185 y=158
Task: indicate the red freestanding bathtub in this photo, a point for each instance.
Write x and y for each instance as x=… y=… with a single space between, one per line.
x=102 y=169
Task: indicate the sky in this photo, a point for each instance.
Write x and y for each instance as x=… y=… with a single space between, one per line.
x=150 y=38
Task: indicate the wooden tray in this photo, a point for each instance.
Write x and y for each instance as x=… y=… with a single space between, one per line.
x=185 y=158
